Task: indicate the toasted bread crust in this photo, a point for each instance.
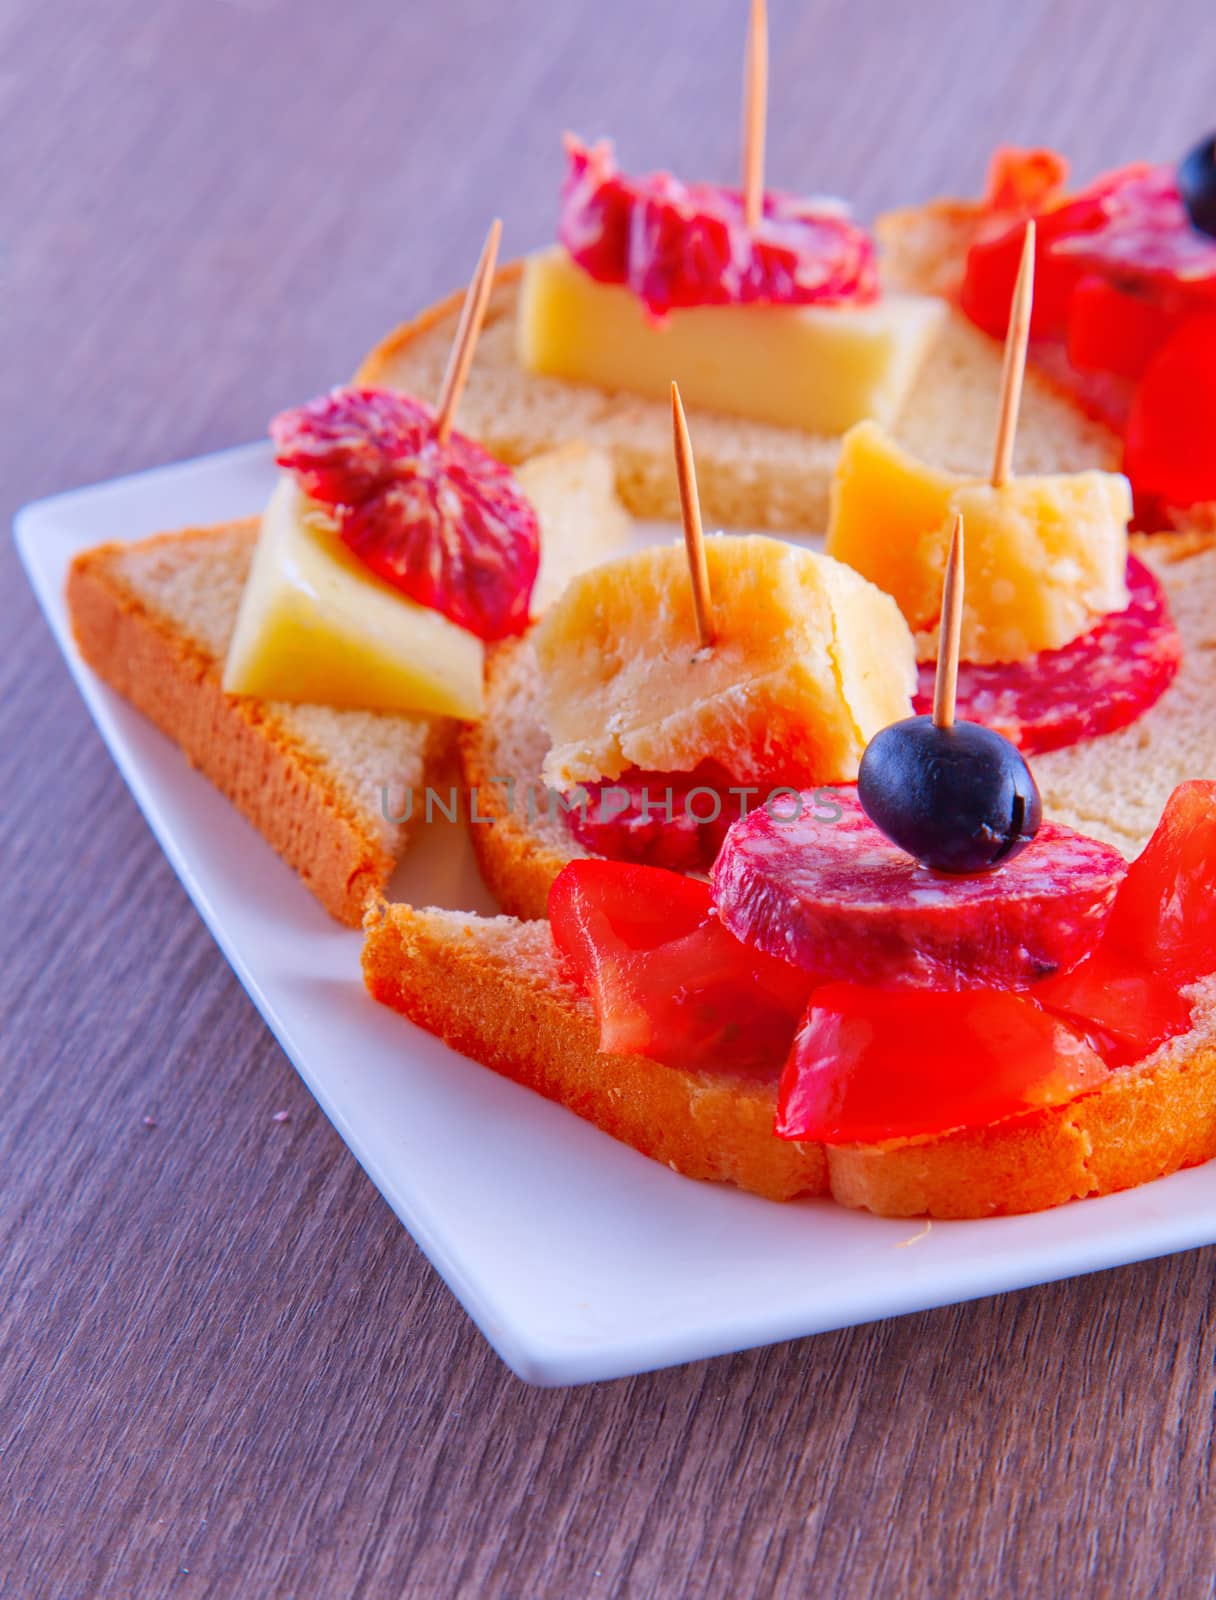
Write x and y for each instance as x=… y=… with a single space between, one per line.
x=379 y=361
x=544 y=1036
x=1143 y=1123
x=516 y=867
x=518 y=863
x=272 y=778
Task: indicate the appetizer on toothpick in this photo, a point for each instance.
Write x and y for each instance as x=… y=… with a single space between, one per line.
x=1125 y=312
x=392 y=549
x=956 y=795
x=760 y=304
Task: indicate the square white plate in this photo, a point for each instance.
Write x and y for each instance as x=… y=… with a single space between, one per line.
x=577 y=1258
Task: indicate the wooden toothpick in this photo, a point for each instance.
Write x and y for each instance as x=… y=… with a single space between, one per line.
x=755 y=113
x=472 y=315
x=1013 y=369
x=945 y=685
x=690 y=511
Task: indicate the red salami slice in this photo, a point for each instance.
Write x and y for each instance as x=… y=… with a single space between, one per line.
x=838 y=899
x=1144 y=234
x=444 y=522
x=687 y=244
x=1102 y=681
x=676 y=820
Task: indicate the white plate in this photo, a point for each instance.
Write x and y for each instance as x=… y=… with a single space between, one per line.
x=577 y=1258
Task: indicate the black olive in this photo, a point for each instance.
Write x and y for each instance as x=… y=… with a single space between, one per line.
x=960 y=799
x=1197 y=184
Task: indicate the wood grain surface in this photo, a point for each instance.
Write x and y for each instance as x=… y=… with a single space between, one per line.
x=224 y=1367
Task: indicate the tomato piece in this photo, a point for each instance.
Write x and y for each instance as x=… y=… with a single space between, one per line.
x=1124 y=1010
x=1024 y=180
x=990 y=275
x=1164 y=914
x=871 y=1065
x=1127 y=225
x=991 y=269
x=1170 y=450
x=1115 y=329
x=665 y=977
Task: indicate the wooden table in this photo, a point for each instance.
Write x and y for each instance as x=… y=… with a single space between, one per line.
x=224 y=1367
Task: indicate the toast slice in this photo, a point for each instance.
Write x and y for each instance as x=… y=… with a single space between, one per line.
x=154 y=619
x=1113 y=787
x=750 y=475
x=494 y=989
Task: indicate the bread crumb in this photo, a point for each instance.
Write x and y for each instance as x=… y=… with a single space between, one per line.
x=281 y=1116
x=902 y=1244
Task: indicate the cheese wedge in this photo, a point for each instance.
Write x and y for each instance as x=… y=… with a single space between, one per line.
x=816 y=368
x=809 y=662
x=316 y=626
x=1046 y=557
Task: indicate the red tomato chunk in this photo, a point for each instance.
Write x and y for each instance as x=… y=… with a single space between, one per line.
x=1127 y=287
x=665 y=977
x=871 y=1065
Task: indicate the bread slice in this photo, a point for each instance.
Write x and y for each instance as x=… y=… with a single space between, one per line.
x=750 y=475
x=494 y=989
x=1113 y=787
x=525 y=840
x=924 y=251
x=154 y=618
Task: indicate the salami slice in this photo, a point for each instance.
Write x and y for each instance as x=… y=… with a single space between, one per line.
x=1144 y=235
x=1104 y=680
x=679 y=245
x=676 y=820
x=443 y=522
x=819 y=885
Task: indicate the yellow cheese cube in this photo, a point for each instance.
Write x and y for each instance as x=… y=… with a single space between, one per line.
x=315 y=625
x=809 y=662
x=886 y=508
x=1046 y=557
x=819 y=368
